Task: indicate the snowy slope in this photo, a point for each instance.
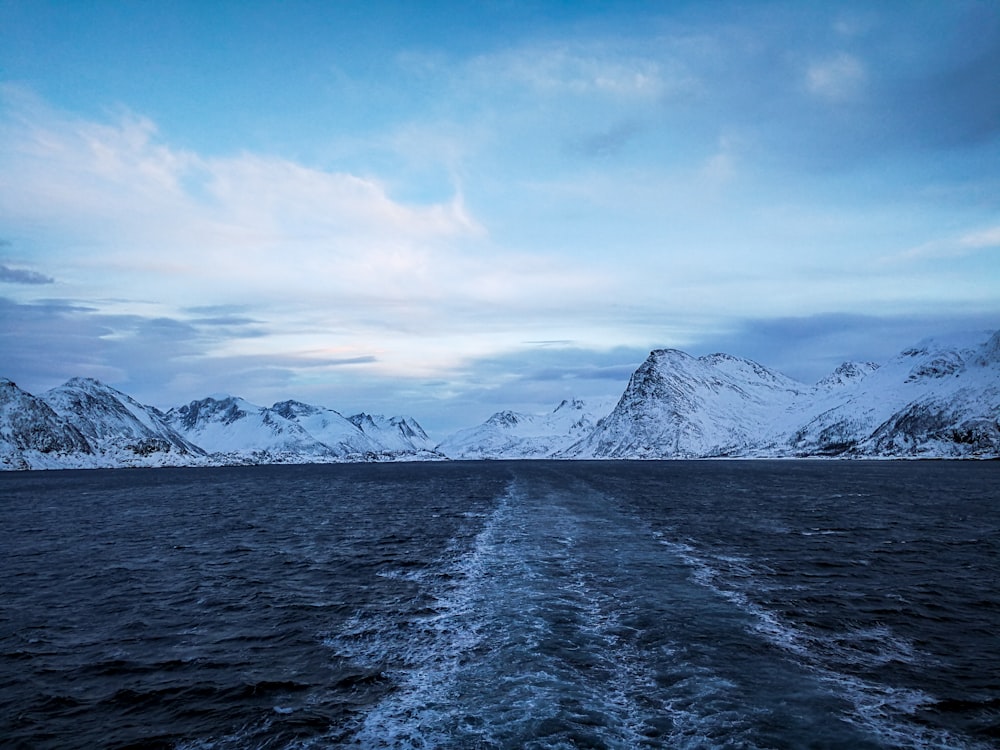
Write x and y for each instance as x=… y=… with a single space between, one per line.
x=118 y=428
x=330 y=427
x=33 y=436
x=396 y=435
x=235 y=431
x=509 y=434
x=938 y=398
x=676 y=405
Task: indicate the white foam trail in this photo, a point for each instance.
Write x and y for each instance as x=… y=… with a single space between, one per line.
x=525 y=642
x=881 y=710
x=427 y=658
x=526 y=645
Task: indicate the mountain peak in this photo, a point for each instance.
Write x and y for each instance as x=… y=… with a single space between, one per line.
x=80 y=380
x=118 y=427
x=847 y=372
x=89 y=385
x=939 y=398
x=574 y=404
x=662 y=354
x=503 y=419
x=293 y=409
x=990 y=351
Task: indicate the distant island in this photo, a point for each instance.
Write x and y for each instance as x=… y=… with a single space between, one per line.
x=937 y=399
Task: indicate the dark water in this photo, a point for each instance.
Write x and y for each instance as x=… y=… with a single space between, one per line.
x=503 y=605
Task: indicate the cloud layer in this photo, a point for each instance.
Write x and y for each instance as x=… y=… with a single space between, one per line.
x=395 y=216
x=22 y=276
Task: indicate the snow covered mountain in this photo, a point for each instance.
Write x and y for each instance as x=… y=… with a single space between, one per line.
x=398 y=436
x=236 y=431
x=87 y=424
x=509 y=434
x=32 y=435
x=938 y=399
x=330 y=427
x=118 y=428
x=681 y=406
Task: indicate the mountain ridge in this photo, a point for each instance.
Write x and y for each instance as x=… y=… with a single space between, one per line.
x=937 y=399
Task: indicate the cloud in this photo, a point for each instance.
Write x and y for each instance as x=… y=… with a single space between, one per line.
x=21 y=276
x=300 y=254
x=151 y=207
x=248 y=226
x=577 y=68
x=984 y=239
x=227 y=321
x=819 y=94
x=964 y=245
x=838 y=78
x=160 y=360
x=952 y=102
x=928 y=89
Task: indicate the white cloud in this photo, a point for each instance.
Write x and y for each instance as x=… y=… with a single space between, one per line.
x=837 y=79
x=958 y=246
x=985 y=239
x=330 y=259
x=576 y=69
x=118 y=188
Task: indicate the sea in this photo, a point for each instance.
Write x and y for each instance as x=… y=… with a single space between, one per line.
x=524 y=604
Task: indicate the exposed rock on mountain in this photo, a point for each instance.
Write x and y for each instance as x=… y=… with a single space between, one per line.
x=679 y=406
x=938 y=399
x=339 y=434
x=397 y=436
x=236 y=431
x=32 y=435
x=118 y=428
x=846 y=374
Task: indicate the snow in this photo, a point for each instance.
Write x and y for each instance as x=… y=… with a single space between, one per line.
x=509 y=434
x=33 y=435
x=395 y=434
x=238 y=431
x=329 y=427
x=939 y=398
x=119 y=428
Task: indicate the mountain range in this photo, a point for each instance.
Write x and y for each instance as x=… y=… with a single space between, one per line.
x=938 y=399
x=87 y=424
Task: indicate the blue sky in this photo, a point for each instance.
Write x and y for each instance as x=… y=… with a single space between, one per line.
x=444 y=209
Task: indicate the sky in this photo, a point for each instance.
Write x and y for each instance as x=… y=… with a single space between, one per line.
x=446 y=209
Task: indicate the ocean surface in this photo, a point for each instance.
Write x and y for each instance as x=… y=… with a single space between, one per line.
x=712 y=604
